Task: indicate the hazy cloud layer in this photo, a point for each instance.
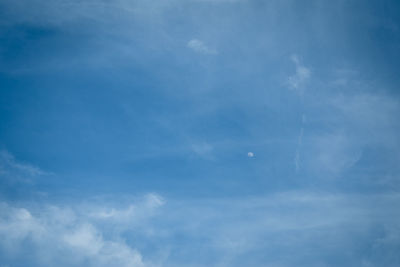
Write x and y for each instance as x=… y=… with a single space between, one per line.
x=228 y=230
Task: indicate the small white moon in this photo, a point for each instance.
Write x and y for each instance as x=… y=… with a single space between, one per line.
x=250 y=154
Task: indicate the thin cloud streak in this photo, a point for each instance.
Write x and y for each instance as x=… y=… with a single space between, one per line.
x=297 y=81
x=199 y=47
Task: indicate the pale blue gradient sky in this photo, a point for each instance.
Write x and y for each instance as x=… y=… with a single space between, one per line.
x=126 y=127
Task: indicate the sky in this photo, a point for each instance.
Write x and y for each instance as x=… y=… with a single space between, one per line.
x=191 y=133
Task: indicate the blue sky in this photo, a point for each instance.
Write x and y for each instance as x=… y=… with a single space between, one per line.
x=199 y=133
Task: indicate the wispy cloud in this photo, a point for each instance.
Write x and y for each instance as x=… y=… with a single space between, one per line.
x=200 y=47
x=297 y=81
x=287 y=221
x=356 y=123
x=17 y=177
x=336 y=152
x=297 y=154
x=8 y=163
x=132 y=214
x=372 y=111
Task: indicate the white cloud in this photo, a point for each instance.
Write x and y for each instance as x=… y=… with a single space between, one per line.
x=132 y=214
x=301 y=76
x=85 y=238
x=154 y=200
x=87 y=242
x=199 y=47
x=250 y=154
x=72 y=236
